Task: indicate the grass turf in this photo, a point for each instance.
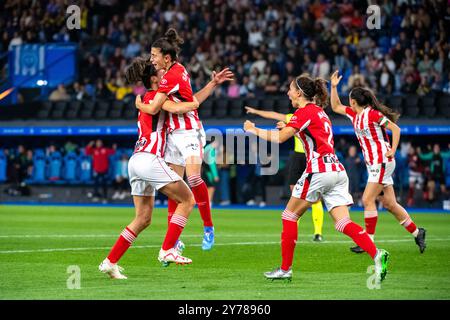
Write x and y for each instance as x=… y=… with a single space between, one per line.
x=38 y=244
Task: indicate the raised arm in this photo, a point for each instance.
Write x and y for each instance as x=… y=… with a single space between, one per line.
x=336 y=104
x=278 y=136
x=217 y=78
x=266 y=114
x=395 y=129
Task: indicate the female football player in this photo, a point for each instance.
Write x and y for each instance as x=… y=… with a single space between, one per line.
x=324 y=176
x=371 y=119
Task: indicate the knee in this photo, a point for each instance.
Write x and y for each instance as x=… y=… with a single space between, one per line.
x=388 y=204
x=367 y=201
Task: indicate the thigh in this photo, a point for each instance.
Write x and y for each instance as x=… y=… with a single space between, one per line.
x=178 y=191
x=336 y=192
x=372 y=190
x=298 y=206
x=388 y=194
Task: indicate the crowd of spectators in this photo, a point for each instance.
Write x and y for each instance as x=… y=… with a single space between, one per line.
x=422 y=176
x=266 y=43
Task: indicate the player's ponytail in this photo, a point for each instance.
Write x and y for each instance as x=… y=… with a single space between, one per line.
x=313 y=89
x=169 y=44
x=365 y=98
x=321 y=97
x=140 y=69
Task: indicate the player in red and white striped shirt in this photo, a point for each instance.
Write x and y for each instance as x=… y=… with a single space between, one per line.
x=370 y=120
x=186 y=137
x=324 y=177
x=149 y=172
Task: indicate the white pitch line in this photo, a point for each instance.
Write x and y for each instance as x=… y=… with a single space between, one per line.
x=198 y=245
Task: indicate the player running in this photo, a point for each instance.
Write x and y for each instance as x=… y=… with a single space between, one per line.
x=148 y=172
x=324 y=176
x=371 y=119
x=297 y=165
x=185 y=134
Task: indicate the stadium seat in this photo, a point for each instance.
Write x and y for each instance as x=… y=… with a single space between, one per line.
x=3 y=166
x=254 y=103
x=70 y=167
x=44 y=112
x=100 y=114
x=116 y=109
x=447 y=173
x=443 y=104
x=39 y=166
x=395 y=102
x=221 y=108
x=85 y=163
x=55 y=166
x=284 y=106
x=411 y=106
x=206 y=109
x=58 y=110
x=268 y=103
x=130 y=113
x=237 y=108
x=428 y=106
x=73 y=109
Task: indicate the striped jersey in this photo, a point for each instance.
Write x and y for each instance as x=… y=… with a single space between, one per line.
x=314 y=130
x=371 y=133
x=176 y=84
x=151 y=130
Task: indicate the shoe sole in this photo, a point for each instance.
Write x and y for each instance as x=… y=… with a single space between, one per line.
x=384 y=263
x=356 y=251
x=422 y=249
x=277 y=279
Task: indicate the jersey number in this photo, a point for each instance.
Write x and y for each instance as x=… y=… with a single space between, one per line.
x=330 y=133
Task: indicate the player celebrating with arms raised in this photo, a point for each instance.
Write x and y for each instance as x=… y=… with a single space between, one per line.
x=186 y=137
x=370 y=120
x=324 y=176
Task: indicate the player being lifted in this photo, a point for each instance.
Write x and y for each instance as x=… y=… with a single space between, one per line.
x=185 y=134
x=145 y=168
x=370 y=120
x=324 y=177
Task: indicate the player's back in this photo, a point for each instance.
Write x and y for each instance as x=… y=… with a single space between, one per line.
x=151 y=129
x=317 y=137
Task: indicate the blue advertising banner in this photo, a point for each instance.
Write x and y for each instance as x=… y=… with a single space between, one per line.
x=37 y=65
x=130 y=130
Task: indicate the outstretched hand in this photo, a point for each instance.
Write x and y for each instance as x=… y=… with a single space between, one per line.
x=335 y=78
x=222 y=76
x=281 y=124
x=249 y=126
x=250 y=110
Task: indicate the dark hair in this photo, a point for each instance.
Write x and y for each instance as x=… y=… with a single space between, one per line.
x=313 y=89
x=365 y=98
x=140 y=69
x=169 y=44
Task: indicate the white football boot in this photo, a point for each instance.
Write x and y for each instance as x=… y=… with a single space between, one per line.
x=172 y=255
x=111 y=269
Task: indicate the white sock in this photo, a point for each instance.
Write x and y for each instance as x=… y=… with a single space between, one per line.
x=372 y=236
x=415 y=233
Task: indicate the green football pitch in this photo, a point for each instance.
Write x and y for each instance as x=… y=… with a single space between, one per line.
x=39 y=245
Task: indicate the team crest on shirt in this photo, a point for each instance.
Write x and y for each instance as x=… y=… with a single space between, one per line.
x=163 y=81
x=140 y=144
x=363 y=132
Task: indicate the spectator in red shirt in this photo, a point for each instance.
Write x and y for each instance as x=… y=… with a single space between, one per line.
x=100 y=164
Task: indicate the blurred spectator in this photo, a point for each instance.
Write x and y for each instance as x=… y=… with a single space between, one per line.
x=416 y=178
x=59 y=94
x=353 y=161
x=100 y=163
x=321 y=68
x=121 y=178
x=434 y=171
